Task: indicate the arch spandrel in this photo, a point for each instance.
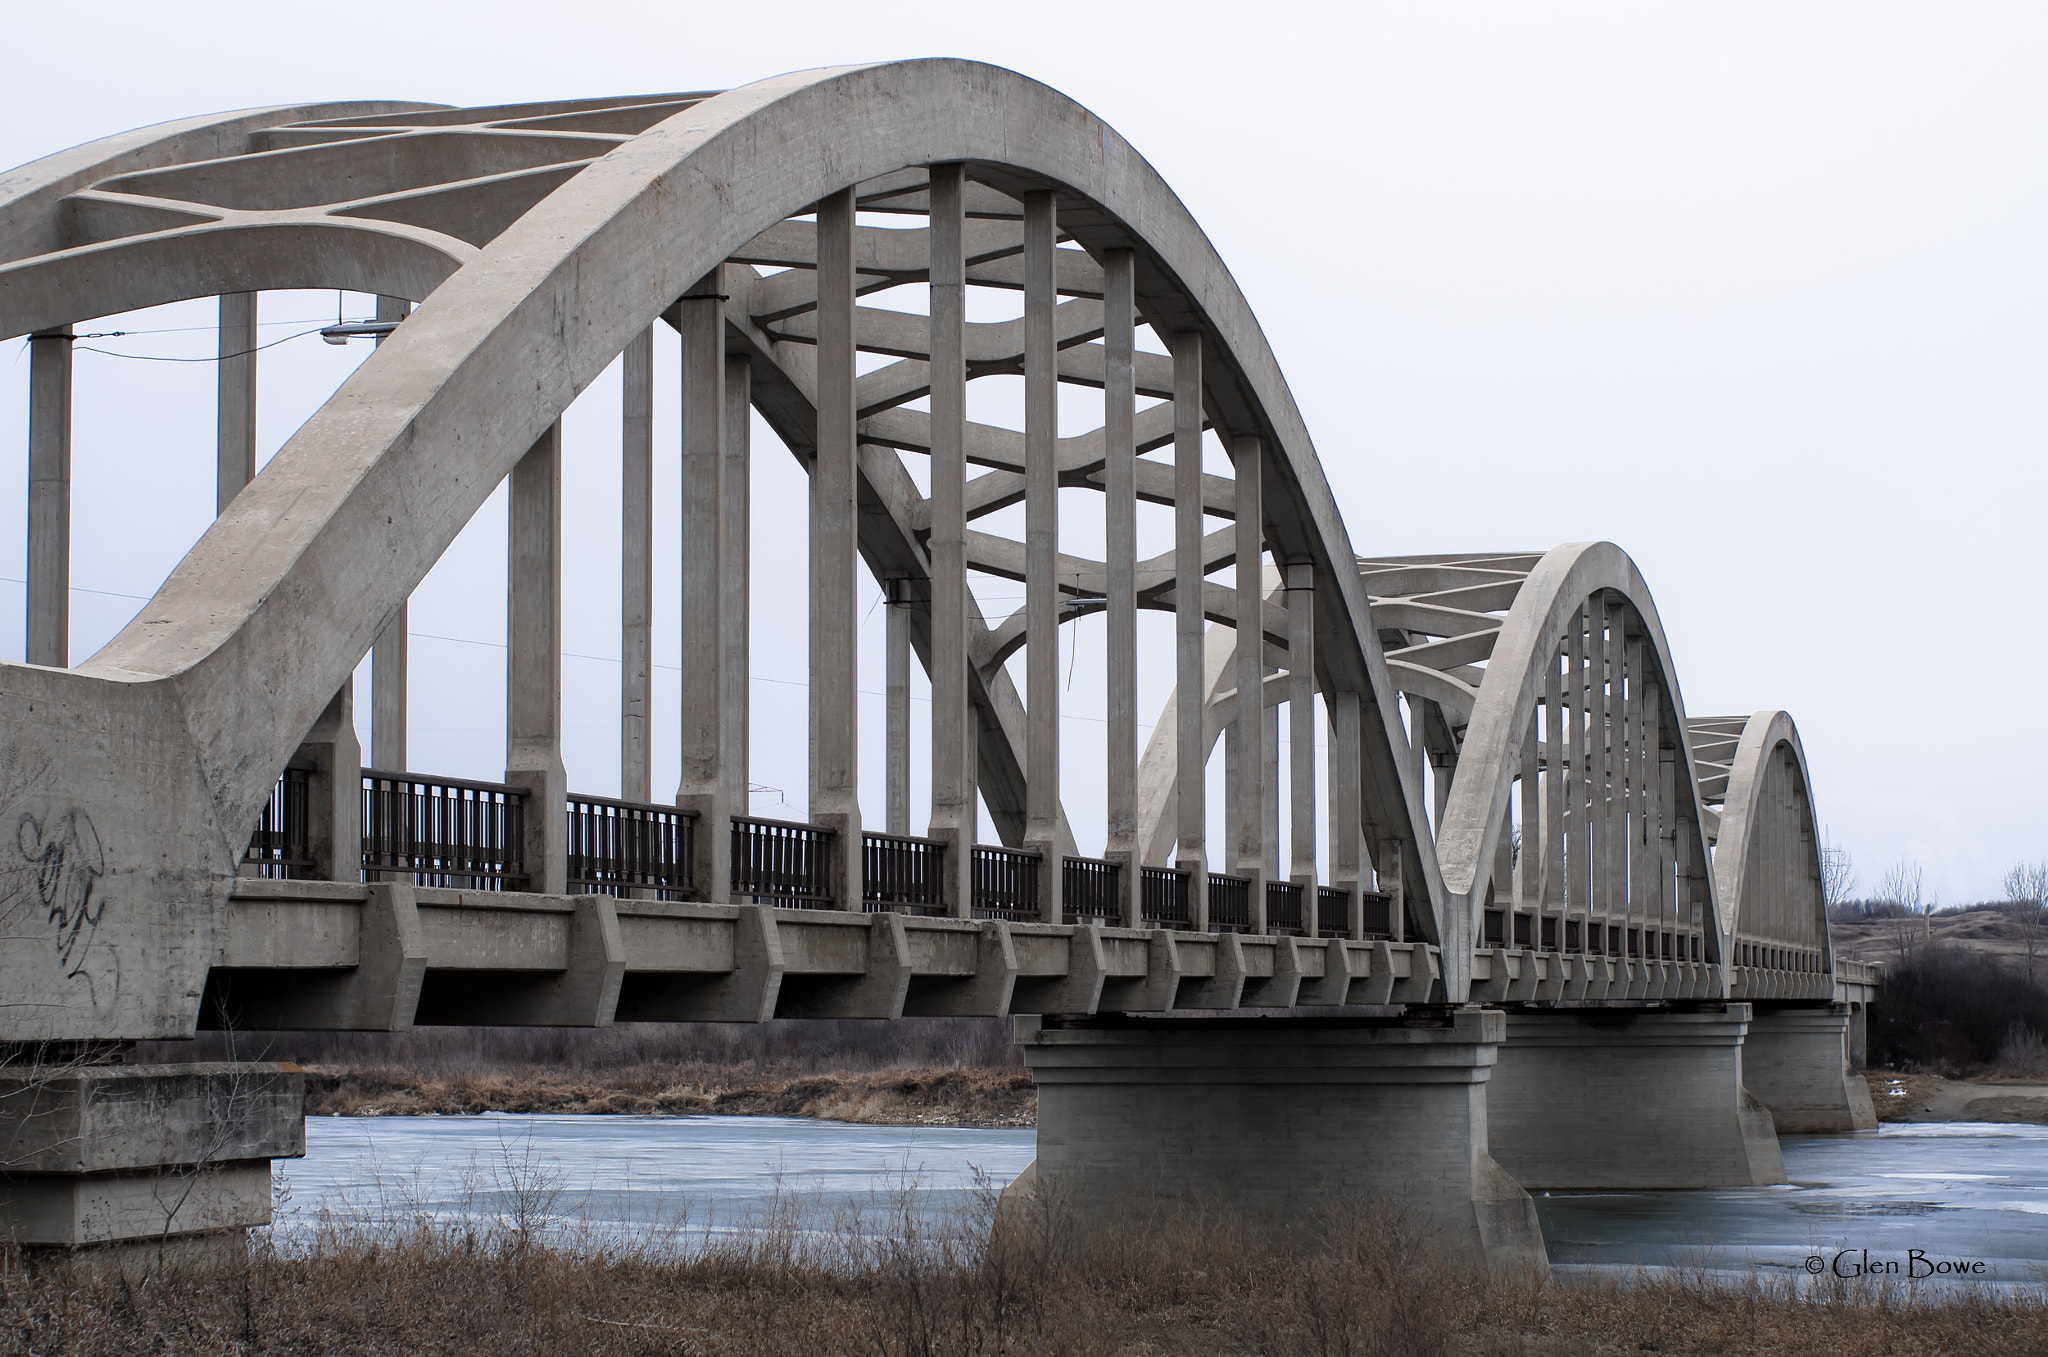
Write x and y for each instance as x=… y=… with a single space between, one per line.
x=228 y=665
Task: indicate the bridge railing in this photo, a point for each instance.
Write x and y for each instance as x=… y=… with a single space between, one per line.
x=899 y=872
x=1091 y=889
x=1163 y=895
x=282 y=846
x=781 y=862
x=616 y=847
x=1230 y=901
x=1283 y=906
x=443 y=831
x=1005 y=883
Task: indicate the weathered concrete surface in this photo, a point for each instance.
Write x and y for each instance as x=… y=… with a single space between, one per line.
x=1795 y=1061
x=110 y=1155
x=1279 y=1120
x=1630 y=1099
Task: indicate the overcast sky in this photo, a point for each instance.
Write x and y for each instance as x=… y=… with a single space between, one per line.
x=1755 y=291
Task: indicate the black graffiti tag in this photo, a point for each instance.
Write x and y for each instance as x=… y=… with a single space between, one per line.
x=67 y=863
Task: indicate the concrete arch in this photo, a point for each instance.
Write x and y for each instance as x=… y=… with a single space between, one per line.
x=1767 y=863
x=1468 y=835
x=220 y=675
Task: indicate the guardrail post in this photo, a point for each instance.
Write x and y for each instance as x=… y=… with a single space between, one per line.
x=334 y=790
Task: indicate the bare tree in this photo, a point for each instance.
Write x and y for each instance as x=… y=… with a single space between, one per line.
x=1837 y=874
x=1903 y=886
x=2025 y=886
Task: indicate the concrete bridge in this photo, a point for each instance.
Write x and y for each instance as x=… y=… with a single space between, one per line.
x=1534 y=925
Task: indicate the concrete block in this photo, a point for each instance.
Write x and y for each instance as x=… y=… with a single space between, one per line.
x=1795 y=1061
x=1564 y=1078
x=989 y=991
x=1277 y=1119
x=746 y=993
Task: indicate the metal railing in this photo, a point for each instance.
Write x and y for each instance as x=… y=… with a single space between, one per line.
x=1090 y=889
x=282 y=846
x=781 y=862
x=1379 y=915
x=898 y=872
x=1283 y=906
x=1163 y=895
x=621 y=846
x=1230 y=901
x=443 y=831
x=1005 y=883
x=1333 y=908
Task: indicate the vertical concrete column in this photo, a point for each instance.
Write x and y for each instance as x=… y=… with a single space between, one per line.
x=1564 y=1079
x=533 y=660
x=1347 y=834
x=1250 y=790
x=636 y=569
x=1041 y=555
x=705 y=783
x=236 y=415
x=835 y=558
x=1301 y=734
x=334 y=829
x=896 y=688
x=953 y=808
x=389 y=662
x=1276 y=1123
x=1579 y=782
x=1191 y=806
x=1529 y=854
x=1388 y=875
x=736 y=611
x=48 y=638
x=1120 y=542
x=1554 y=757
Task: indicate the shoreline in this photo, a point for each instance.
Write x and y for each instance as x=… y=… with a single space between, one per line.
x=964 y=1097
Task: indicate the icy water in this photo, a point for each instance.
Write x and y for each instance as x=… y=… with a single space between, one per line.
x=1958 y=1193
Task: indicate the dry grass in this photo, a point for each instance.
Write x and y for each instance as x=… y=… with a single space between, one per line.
x=886 y=1280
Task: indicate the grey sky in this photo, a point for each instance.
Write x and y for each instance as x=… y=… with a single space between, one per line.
x=1754 y=291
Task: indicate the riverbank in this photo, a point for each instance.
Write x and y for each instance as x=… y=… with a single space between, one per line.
x=1930 y=1098
x=1191 y=1288
x=900 y=1097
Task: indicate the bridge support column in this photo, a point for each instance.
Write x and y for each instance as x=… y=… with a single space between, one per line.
x=1796 y=1061
x=49 y=499
x=1277 y=1121
x=143 y=1167
x=1629 y=1098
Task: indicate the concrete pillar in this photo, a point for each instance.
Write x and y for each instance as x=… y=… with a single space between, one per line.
x=1859 y=1037
x=389 y=662
x=334 y=829
x=1041 y=555
x=1347 y=830
x=140 y=1169
x=533 y=660
x=953 y=807
x=1191 y=806
x=896 y=718
x=49 y=499
x=736 y=609
x=706 y=737
x=1797 y=1062
x=636 y=570
x=1277 y=1122
x=835 y=558
x=1120 y=543
x=1629 y=1099
x=237 y=387
x=1250 y=789
x=1301 y=733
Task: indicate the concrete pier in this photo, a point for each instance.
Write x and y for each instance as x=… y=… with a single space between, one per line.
x=1796 y=1062
x=1277 y=1120
x=1629 y=1098
x=144 y=1165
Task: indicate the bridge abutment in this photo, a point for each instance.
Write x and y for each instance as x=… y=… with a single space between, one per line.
x=1277 y=1121
x=1797 y=1062
x=143 y=1166
x=1629 y=1098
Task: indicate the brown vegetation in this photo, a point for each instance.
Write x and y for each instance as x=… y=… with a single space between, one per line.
x=890 y=1284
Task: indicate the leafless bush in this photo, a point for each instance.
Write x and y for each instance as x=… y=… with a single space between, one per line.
x=2022 y=1052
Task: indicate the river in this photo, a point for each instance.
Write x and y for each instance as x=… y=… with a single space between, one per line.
x=1972 y=1192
